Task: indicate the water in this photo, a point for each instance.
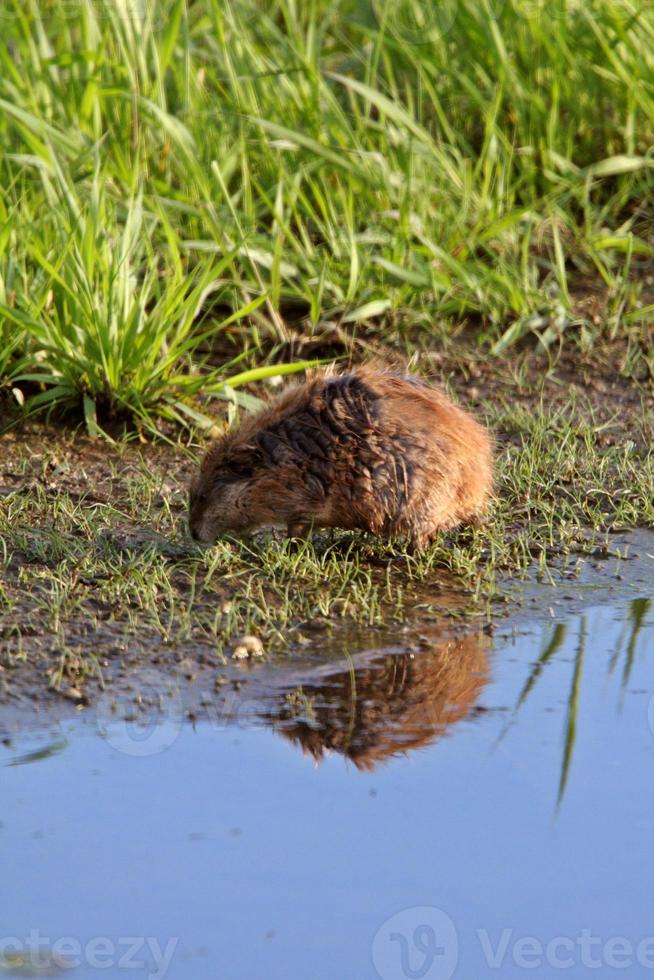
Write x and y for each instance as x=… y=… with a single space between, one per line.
x=513 y=834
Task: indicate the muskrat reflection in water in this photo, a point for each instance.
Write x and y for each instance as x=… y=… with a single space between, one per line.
x=388 y=705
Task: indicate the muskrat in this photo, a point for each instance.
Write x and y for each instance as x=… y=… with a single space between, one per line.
x=372 y=449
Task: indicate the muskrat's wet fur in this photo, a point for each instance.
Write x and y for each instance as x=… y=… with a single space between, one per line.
x=373 y=449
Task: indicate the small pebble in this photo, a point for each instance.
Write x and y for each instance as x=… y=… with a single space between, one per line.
x=247 y=646
x=73 y=694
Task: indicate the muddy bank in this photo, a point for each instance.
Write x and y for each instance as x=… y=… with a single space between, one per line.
x=366 y=693
x=100 y=581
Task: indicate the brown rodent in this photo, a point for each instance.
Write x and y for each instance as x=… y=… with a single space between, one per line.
x=372 y=449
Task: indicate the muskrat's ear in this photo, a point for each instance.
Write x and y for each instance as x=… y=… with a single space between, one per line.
x=243 y=461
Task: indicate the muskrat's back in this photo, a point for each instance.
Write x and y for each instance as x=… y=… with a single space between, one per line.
x=372 y=449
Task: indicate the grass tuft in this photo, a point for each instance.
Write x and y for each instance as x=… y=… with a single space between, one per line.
x=381 y=164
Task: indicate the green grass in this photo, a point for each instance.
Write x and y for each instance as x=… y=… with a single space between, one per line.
x=177 y=174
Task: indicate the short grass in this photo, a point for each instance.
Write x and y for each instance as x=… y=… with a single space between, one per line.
x=97 y=562
x=181 y=178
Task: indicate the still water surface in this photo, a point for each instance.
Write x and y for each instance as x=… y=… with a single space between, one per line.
x=512 y=835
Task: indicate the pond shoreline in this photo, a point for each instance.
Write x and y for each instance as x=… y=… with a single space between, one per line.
x=100 y=580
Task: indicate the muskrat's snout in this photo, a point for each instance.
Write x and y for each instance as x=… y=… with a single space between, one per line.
x=196 y=514
x=194 y=528
x=193 y=531
x=198 y=533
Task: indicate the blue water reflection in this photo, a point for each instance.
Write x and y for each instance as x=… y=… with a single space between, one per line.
x=463 y=811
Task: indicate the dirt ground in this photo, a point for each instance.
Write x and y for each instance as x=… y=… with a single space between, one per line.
x=104 y=597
